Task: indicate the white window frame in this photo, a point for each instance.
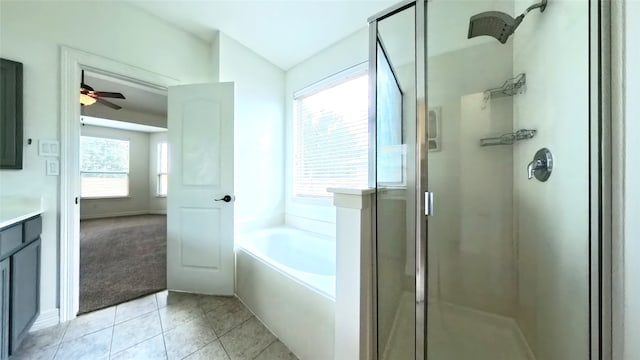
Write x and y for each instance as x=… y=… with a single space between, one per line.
x=127 y=173
x=326 y=83
x=159 y=172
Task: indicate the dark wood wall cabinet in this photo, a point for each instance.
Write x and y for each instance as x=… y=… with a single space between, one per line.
x=10 y=114
x=19 y=282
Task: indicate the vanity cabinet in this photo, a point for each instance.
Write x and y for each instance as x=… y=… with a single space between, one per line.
x=19 y=282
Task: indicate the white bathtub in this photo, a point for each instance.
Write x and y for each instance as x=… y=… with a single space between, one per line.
x=305 y=257
x=287 y=278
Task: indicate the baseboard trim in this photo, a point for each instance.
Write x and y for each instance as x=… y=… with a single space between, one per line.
x=124 y=213
x=114 y=214
x=46 y=319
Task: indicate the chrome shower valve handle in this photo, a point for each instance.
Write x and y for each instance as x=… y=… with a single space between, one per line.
x=533 y=166
x=541 y=166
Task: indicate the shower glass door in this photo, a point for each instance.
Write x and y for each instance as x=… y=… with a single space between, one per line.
x=508 y=251
x=500 y=267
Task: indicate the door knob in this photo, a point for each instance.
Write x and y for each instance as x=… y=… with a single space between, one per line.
x=226 y=198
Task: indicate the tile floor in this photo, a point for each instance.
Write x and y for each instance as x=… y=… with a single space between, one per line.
x=165 y=325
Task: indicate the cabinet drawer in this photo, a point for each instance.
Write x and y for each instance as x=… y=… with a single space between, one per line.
x=32 y=229
x=10 y=239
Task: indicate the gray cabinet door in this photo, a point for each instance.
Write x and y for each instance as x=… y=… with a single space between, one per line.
x=10 y=114
x=25 y=291
x=4 y=309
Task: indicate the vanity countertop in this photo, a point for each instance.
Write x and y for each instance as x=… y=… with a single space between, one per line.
x=16 y=209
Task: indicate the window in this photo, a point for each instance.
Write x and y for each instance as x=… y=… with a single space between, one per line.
x=331 y=135
x=104 y=167
x=163 y=162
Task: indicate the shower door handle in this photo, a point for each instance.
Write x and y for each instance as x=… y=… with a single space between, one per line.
x=428 y=203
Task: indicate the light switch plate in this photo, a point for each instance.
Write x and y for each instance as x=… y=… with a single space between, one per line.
x=53 y=167
x=49 y=148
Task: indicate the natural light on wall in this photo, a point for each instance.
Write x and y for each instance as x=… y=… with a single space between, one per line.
x=104 y=167
x=331 y=135
x=163 y=162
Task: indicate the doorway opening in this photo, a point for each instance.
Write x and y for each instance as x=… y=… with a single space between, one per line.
x=123 y=162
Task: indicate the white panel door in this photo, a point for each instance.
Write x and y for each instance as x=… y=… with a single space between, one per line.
x=199 y=228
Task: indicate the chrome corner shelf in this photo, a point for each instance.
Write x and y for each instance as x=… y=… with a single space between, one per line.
x=508 y=139
x=510 y=87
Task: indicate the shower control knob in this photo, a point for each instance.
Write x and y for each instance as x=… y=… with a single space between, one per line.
x=541 y=166
x=226 y=198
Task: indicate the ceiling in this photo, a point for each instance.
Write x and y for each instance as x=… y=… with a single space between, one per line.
x=283 y=32
x=139 y=98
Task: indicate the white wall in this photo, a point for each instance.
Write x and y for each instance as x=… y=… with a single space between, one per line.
x=553 y=217
x=137 y=202
x=258 y=134
x=632 y=184
x=31 y=33
x=316 y=215
x=157 y=204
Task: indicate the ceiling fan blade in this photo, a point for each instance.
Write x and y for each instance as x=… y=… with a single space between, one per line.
x=85 y=87
x=108 y=103
x=107 y=94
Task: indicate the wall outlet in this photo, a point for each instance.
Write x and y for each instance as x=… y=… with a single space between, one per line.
x=53 y=167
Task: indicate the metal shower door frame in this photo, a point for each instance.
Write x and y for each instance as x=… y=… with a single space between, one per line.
x=421 y=163
x=605 y=130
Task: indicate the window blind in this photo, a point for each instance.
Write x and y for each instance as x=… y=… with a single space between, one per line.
x=331 y=144
x=104 y=167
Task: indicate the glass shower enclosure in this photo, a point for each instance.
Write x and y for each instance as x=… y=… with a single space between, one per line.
x=482 y=167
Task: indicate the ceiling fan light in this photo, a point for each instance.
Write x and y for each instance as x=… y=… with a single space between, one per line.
x=86 y=99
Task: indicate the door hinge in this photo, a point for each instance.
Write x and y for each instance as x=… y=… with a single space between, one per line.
x=76 y=200
x=428 y=203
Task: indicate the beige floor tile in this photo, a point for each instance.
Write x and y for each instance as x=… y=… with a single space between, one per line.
x=88 y=323
x=135 y=308
x=210 y=302
x=51 y=336
x=35 y=353
x=152 y=349
x=276 y=351
x=247 y=340
x=187 y=338
x=94 y=346
x=227 y=316
x=213 y=351
x=167 y=298
x=175 y=315
x=134 y=331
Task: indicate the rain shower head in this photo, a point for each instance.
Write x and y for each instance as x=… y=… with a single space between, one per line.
x=498 y=24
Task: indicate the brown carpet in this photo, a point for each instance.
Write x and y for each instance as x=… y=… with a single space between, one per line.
x=121 y=259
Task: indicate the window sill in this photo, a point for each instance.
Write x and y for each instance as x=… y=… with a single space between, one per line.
x=161 y=196
x=106 y=198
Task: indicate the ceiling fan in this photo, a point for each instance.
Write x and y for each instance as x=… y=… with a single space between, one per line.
x=88 y=96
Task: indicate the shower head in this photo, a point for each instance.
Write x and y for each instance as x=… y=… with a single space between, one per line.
x=493 y=23
x=498 y=24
